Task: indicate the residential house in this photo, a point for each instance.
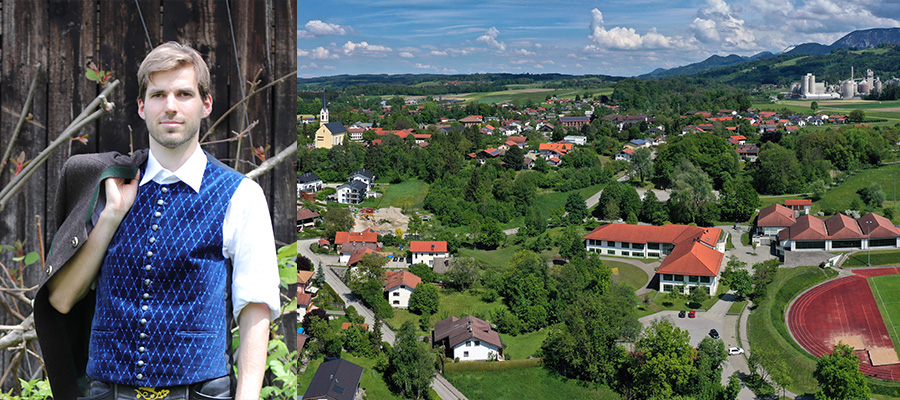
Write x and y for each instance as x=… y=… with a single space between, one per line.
x=748 y=152
x=366 y=236
x=356 y=133
x=520 y=141
x=308 y=182
x=334 y=380
x=304 y=281
x=637 y=144
x=306 y=218
x=624 y=155
x=399 y=286
x=574 y=122
x=576 y=139
x=472 y=120
x=353 y=192
x=658 y=140
x=692 y=256
x=424 y=252
x=773 y=219
x=799 y=206
x=467 y=339
x=355 y=254
x=489 y=153
x=737 y=139
x=559 y=149
x=554 y=161
x=363 y=176
x=837 y=233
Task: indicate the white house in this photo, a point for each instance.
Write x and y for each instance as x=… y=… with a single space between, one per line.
x=467 y=339
x=625 y=155
x=308 y=182
x=399 y=286
x=424 y=252
x=363 y=176
x=353 y=192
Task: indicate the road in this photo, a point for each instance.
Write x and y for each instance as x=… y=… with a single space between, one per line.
x=440 y=385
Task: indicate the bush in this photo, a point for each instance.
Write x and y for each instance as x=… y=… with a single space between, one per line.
x=324 y=193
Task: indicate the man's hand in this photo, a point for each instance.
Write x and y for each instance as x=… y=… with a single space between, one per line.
x=73 y=280
x=254 y=332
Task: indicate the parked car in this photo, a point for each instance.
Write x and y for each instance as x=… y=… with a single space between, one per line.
x=713 y=333
x=682 y=313
x=733 y=351
x=692 y=314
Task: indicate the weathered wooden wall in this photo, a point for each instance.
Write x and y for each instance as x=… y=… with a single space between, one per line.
x=62 y=36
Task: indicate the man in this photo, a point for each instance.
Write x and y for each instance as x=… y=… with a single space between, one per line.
x=169 y=247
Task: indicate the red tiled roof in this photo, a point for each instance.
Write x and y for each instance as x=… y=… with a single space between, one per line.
x=357 y=256
x=304 y=276
x=324 y=242
x=807 y=227
x=366 y=236
x=798 y=202
x=841 y=226
x=346 y=325
x=303 y=213
x=561 y=148
x=694 y=252
x=304 y=300
x=394 y=279
x=776 y=215
x=416 y=246
x=630 y=152
x=517 y=139
x=877 y=226
x=459 y=330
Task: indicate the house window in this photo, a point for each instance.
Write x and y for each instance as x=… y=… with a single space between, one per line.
x=396 y=293
x=637 y=245
x=667 y=277
x=478 y=343
x=396 y=301
x=402 y=286
x=667 y=288
x=468 y=343
x=611 y=252
x=656 y=255
x=465 y=354
x=704 y=279
x=693 y=279
x=653 y=246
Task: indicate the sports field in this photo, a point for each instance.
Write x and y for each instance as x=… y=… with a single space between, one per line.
x=888 y=298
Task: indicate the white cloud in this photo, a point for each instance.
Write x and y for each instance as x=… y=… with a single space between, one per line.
x=309 y=66
x=519 y=62
x=525 y=52
x=319 y=28
x=302 y=53
x=438 y=53
x=450 y=71
x=619 y=38
x=319 y=53
x=538 y=66
x=406 y=54
x=425 y=66
x=304 y=34
x=330 y=67
x=351 y=48
x=717 y=23
x=490 y=39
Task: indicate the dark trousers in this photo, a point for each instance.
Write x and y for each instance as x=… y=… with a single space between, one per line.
x=213 y=389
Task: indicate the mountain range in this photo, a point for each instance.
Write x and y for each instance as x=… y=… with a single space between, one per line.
x=857 y=39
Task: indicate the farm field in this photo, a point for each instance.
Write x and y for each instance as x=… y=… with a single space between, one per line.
x=888 y=298
x=838 y=198
x=536 y=95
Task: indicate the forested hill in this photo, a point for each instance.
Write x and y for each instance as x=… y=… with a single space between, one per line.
x=434 y=84
x=833 y=67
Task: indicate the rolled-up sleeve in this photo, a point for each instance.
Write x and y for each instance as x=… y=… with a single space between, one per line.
x=250 y=243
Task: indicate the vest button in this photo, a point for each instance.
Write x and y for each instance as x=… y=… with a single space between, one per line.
x=154 y=227
x=146 y=295
x=144 y=308
x=151 y=240
x=141 y=349
x=164 y=190
x=143 y=321
x=140 y=363
x=157 y=214
x=49 y=270
x=139 y=377
x=149 y=254
x=143 y=335
x=147 y=283
x=160 y=202
x=148 y=267
x=75 y=242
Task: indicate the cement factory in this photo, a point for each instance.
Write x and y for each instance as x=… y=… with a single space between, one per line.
x=809 y=89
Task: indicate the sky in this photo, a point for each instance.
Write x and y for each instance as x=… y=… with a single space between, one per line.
x=619 y=38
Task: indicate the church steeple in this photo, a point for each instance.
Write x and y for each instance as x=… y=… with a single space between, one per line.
x=323 y=114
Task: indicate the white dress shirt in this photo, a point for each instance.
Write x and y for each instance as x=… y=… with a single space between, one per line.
x=247 y=234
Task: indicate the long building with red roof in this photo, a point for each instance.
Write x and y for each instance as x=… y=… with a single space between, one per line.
x=838 y=232
x=692 y=255
x=424 y=252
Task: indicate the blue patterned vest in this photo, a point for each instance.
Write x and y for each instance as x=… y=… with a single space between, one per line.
x=161 y=315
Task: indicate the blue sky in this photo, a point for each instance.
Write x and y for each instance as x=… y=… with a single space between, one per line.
x=621 y=38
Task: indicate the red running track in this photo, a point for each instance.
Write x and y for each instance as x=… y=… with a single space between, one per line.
x=843 y=307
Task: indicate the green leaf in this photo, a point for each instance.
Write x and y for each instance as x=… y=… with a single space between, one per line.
x=32 y=258
x=91 y=75
x=289 y=251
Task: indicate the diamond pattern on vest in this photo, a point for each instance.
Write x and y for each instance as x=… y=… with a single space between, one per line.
x=161 y=316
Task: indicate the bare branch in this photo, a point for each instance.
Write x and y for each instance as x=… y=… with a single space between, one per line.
x=19 y=336
x=22 y=116
x=244 y=100
x=272 y=162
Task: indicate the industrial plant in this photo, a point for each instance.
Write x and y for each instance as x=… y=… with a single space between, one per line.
x=809 y=89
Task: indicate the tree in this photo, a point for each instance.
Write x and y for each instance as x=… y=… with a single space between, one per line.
x=490 y=236
x=818 y=189
x=692 y=191
x=662 y=363
x=839 y=376
x=710 y=356
x=425 y=299
x=423 y=271
x=873 y=195
x=814 y=105
x=857 y=116
x=778 y=170
x=576 y=208
x=337 y=219
x=514 y=157
x=742 y=283
x=411 y=364
x=652 y=210
x=463 y=272
x=642 y=162
x=572 y=244
x=698 y=294
x=738 y=200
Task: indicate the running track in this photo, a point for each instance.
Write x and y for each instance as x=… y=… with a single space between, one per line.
x=843 y=307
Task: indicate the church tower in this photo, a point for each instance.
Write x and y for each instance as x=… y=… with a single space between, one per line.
x=323 y=114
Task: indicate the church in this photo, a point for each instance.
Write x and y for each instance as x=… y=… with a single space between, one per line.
x=330 y=134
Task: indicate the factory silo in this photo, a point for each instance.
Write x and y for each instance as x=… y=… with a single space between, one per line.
x=804 y=85
x=847 y=89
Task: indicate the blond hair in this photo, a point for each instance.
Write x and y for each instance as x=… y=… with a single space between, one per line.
x=169 y=56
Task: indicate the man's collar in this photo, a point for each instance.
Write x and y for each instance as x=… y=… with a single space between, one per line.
x=191 y=172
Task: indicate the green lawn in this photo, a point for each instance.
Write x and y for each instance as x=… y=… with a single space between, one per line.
x=524 y=383
x=838 y=198
x=627 y=273
x=878 y=257
x=523 y=346
x=451 y=303
x=550 y=200
x=767 y=329
x=888 y=298
x=407 y=194
x=498 y=258
x=737 y=307
x=662 y=302
x=371 y=380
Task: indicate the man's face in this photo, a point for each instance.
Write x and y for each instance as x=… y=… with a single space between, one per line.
x=173 y=107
